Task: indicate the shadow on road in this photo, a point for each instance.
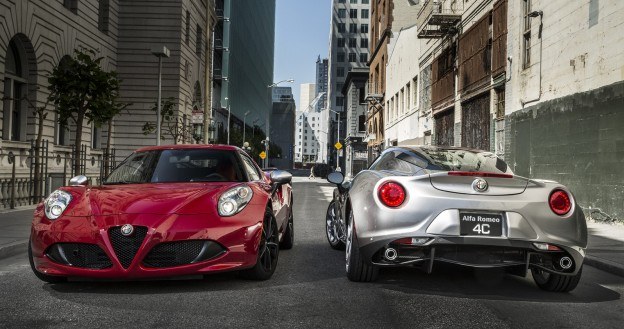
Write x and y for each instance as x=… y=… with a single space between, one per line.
x=460 y=282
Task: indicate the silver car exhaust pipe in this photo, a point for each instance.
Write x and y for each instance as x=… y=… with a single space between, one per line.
x=565 y=262
x=391 y=254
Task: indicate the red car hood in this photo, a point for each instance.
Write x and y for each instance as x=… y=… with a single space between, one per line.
x=162 y=198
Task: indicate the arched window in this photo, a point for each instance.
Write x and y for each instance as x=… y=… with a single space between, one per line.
x=16 y=78
x=63 y=130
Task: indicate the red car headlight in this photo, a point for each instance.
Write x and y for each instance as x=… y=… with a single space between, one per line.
x=234 y=200
x=56 y=204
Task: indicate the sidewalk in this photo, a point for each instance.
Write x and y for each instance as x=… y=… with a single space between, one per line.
x=605 y=246
x=15 y=230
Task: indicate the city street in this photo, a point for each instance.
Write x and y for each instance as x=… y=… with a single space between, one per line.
x=310 y=289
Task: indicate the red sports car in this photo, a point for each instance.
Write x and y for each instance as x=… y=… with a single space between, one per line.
x=166 y=211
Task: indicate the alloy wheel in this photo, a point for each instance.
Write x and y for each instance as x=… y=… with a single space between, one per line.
x=270 y=246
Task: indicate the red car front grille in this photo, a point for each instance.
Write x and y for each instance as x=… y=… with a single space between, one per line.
x=126 y=247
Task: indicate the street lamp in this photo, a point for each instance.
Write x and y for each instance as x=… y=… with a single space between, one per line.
x=160 y=53
x=245 y=125
x=337 y=150
x=268 y=118
x=228 y=125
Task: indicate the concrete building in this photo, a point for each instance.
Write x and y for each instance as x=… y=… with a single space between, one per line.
x=283 y=127
x=307 y=93
x=310 y=135
x=243 y=60
x=37 y=35
x=388 y=18
x=564 y=98
x=182 y=27
x=355 y=150
x=405 y=124
x=322 y=78
x=348 y=49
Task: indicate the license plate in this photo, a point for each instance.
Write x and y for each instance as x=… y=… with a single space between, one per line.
x=480 y=224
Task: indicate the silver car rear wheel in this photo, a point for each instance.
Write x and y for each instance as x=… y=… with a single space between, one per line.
x=357 y=268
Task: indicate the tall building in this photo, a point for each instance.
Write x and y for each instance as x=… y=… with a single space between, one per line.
x=243 y=60
x=389 y=17
x=182 y=28
x=562 y=106
x=322 y=68
x=283 y=123
x=306 y=96
x=310 y=135
x=356 y=155
x=348 y=49
x=123 y=33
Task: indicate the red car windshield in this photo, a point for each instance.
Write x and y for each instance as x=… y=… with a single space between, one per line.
x=188 y=165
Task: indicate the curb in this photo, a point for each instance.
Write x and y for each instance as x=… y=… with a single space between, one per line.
x=13 y=249
x=605 y=265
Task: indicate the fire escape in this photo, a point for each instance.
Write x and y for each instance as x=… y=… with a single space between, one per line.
x=438 y=18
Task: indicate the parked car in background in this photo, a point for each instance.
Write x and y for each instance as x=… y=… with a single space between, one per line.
x=166 y=211
x=419 y=205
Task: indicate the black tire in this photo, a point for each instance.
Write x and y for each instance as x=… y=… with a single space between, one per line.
x=41 y=276
x=330 y=231
x=357 y=269
x=268 y=251
x=288 y=240
x=556 y=282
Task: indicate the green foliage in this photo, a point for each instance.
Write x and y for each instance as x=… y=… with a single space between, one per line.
x=254 y=136
x=80 y=88
x=172 y=125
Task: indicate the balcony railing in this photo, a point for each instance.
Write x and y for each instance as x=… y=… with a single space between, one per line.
x=437 y=18
x=374 y=91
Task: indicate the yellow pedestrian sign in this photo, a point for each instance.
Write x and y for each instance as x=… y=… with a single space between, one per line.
x=262 y=155
x=338 y=146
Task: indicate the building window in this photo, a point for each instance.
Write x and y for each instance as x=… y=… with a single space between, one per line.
x=526 y=35
x=352 y=42
x=364 y=43
x=408 y=95
x=500 y=103
x=364 y=28
x=200 y=40
x=353 y=28
x=72 y=5
x=354 y=1
x=352 y=13
x=339 y=101
x=339 y=86
x=342 y=28
x=188 y=27
x=364 y=57
x=103 y=15
x=96 y=137
x=364 y=13
x=341 y=56
x=340 y=71
x=362 y=95
x=362 y=123
x=14 y=109
x=342 y=13
x=341 y=1
x=364 y=2
x=340 y=42
x=352 y=57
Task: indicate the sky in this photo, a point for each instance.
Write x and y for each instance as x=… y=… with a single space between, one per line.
x=301 y=35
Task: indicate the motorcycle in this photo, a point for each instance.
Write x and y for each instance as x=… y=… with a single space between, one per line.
x=335 y=224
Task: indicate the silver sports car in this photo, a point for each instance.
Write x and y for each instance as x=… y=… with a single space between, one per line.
x=419 y=205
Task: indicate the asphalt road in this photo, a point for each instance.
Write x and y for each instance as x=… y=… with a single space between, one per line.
x=309 y=289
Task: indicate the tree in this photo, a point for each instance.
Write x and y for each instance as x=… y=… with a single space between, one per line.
x=114 y=107
x=171 y=124
x=81 y=90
